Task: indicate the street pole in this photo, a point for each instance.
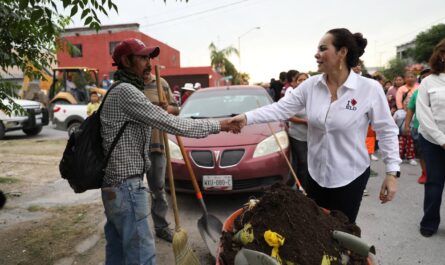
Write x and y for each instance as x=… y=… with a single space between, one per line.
x=239 y=43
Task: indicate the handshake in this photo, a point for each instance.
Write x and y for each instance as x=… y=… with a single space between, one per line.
x=234 y=124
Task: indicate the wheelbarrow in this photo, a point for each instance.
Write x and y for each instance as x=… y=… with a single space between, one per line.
x=228 y=227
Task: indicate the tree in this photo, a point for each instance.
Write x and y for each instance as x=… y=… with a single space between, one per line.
x=222 y=65
x=425 y=42
x=29 y=32
x=396 y=66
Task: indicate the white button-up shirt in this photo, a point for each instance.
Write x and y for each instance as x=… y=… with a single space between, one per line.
x=337 y=152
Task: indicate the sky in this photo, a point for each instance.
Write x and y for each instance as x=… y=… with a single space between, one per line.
x=275 y=36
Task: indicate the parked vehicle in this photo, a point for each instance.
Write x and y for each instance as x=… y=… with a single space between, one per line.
x=69 y=117
x=30 y=123
x=226 y=162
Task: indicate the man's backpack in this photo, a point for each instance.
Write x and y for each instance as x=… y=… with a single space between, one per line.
x=83 y=163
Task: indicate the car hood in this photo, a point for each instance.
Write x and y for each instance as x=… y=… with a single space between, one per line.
x=27 y=103
x=250 y=135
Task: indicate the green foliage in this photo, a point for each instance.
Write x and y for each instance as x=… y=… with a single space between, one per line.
x=395 y=67
x=222 y=65
x=425 y=42
x=30 y=28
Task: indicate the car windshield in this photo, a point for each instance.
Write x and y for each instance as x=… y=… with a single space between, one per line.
x=223 y=103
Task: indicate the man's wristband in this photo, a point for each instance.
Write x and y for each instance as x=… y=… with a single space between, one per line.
x=393 y=173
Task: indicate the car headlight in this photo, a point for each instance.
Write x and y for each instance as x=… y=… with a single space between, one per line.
x=175 y=152
x=269 y=145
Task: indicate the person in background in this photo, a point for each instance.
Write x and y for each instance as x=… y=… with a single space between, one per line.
x=298 y=133
x=106 y=83
x=392 y=92
x=411 y=119
x=387 y=86
x=430 y=111
x=197 y=86
x=156 y=174
x=277 y=85
x=403 y=96
x=290 y=76
x=339 y=105
x=405 y=92
x=357 y=69
x=379 y=78
x=177 y=94
x=187 y=91
x=94 y=103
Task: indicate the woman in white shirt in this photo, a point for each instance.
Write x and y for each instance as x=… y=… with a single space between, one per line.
x=298 y=135
x=339 y=106
x=430 y=111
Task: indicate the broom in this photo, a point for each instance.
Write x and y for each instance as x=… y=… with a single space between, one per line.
x=285 y=156
x=184 y=254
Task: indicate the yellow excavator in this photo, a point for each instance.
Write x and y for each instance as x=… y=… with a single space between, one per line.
x=73 y=85
x=65 y=85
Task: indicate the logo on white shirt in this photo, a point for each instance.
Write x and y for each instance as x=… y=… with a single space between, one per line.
x=351 y=104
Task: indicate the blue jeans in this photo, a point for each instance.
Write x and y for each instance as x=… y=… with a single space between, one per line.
x=156 y=183
x=129 y=239
x=434 y=156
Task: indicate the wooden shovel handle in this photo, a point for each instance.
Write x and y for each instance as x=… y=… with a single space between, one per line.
x=167 y=154
x=189 y=168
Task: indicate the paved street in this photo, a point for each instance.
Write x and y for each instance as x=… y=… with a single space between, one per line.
x=48 y=132
x=392 y=228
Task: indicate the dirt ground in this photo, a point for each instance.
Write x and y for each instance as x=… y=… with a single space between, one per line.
x=44 y=221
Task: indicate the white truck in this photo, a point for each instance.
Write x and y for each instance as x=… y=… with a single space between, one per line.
x=30 y=123
x=69 y=117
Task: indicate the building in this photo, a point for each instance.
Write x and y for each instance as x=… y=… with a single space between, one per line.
x=402 y=50
x=94 y=49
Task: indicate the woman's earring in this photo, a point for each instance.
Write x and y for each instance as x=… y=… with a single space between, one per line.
x=341 y=66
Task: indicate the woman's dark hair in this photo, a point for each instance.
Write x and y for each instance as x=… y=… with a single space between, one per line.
x=355 y=43
x=290 y=75
x=437 y=59
x=300 y=74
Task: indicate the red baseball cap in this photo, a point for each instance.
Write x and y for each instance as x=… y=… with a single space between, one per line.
x=133 y=47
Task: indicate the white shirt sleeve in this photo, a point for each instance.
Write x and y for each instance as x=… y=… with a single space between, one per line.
x=386 y=130
x=285 y=108
x=425 y=115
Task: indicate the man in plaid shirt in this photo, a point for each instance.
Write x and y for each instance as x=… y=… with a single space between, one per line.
x=124 y=195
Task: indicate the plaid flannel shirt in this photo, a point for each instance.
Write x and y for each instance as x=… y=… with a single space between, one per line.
x=130 y=155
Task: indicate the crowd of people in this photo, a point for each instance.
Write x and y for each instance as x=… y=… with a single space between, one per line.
x=405 y=119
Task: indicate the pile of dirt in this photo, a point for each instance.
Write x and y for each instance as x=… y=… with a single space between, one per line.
x=307 y=229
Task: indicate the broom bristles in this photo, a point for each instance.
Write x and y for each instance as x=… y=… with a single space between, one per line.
x=184 y=254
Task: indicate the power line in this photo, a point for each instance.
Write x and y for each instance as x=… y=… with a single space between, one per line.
x=406 y=34
x=193 y=14
x=188 y=6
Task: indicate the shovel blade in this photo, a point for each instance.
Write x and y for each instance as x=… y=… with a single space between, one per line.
x=210 y=229
x=251 y=257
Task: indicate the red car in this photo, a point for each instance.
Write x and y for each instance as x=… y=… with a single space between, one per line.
x=226 y=162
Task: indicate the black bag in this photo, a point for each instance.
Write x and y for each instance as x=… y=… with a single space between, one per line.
x=83 y=163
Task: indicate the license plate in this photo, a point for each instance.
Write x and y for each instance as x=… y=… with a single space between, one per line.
x=217 y=182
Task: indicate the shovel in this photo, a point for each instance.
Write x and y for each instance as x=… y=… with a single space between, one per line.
x=184 y=255
x=251 y=257
x=209 y=226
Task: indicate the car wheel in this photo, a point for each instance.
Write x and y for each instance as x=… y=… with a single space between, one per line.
x=33 y=131
x=74 y=126
x=2 y=130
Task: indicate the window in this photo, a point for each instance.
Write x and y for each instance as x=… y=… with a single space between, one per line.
x=76 y=50
x=112 y=46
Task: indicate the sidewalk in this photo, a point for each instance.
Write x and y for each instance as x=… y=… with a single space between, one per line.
x=393 y=228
